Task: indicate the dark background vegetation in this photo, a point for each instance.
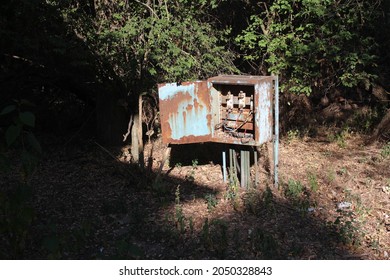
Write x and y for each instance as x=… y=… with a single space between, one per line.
x=74 y=70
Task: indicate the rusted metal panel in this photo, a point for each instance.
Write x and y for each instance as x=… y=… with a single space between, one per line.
x=237 y=79
x=263 y=114
x=185 y=112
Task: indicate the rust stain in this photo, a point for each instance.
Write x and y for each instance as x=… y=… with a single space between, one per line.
x=209 y=120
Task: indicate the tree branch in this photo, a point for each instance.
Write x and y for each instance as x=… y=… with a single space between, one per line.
x=147 y=6
x=128 y=129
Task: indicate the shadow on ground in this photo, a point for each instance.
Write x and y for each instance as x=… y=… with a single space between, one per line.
x=89 y=206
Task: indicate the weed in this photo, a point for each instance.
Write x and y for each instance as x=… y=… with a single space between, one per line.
x=343 y=171
x=179 y=216
x=205 y=235
x=363 y=121
x=211 y=201
x=292 y=135
x=191 y=224
x=339 y=138
x=252 y=201
x=268 y=198
x=191 y=174
x=385 y=152
x=195 y=163
x=330 y=176
x=294 y=189
x=299 y=195
x=348 y=228
x=232 y=190
x=313 y=181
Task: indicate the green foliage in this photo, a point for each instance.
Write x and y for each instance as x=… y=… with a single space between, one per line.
x=313 y=181
x=180 y=219
x=232 y=189
x=314 y=44
x=211 y=201
x=268 y=198
x=348 y=227
x=385 y=152
x=292 y=135
x=294 y=189
x=340 y=137
x=144 y=44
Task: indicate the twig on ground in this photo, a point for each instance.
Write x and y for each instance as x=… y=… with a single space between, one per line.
x=116 y=159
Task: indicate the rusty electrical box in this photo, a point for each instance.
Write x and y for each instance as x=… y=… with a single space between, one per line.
x=228 y=109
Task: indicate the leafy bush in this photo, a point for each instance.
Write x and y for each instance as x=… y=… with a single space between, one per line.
x=314 y=43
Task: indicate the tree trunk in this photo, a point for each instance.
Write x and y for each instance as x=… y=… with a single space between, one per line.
x=383 y=129
x=137 y=145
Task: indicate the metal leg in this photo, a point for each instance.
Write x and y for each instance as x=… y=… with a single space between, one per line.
x=276 y=139
x=224 y=166
x=242 y=165
x=245 y=168
x=256 y=168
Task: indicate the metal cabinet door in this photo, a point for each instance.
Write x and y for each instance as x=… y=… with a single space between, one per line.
x=185 y=112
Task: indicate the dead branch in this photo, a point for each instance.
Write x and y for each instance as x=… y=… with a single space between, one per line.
x=128 y=129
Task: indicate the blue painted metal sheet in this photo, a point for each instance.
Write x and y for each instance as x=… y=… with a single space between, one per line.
x=185 y=112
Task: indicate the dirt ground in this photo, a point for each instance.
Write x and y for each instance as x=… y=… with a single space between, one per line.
x=91 y=202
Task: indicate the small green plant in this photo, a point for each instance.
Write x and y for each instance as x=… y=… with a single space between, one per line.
x=268 y=198
x=343 y=171
x=294 y=189
x=313 y=181
x=179 y=216
x=211 y=201
x=191 y=225
x=252 y=201
x=331 y=176
x=191 y=174
x=292 y=135
x=385 y=152
x=340 y=138
x=205 y=235
x=348 y=227
x=232 y=190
